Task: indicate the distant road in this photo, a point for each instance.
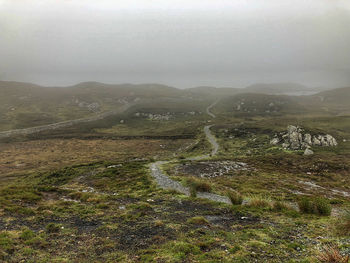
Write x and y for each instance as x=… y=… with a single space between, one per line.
x=209 y=108
x=64 y=124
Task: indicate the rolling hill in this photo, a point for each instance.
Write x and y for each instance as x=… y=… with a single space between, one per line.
x=25 y=105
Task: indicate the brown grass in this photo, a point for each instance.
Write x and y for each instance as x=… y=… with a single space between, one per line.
x=259 y=201
x=331 y=254
x=20 y=157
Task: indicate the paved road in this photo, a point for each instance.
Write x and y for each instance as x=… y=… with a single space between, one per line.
x=165 y=182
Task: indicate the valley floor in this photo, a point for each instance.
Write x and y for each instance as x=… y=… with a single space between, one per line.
x=216 y=191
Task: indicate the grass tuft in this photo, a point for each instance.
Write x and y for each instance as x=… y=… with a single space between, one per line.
x=259 y=201
x=197 y=185
x=318 y=206
x=235 y=197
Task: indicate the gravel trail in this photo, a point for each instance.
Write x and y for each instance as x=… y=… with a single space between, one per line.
x=167 y=183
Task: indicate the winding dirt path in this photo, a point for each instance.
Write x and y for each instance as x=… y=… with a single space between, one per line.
x=165 y=182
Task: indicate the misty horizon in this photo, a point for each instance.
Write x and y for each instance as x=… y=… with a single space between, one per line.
x=177 y=43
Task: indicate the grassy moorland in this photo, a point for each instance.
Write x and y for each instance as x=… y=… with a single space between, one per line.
x=85 y=193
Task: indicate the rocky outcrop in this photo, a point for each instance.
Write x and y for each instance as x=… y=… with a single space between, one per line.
x=296 y=139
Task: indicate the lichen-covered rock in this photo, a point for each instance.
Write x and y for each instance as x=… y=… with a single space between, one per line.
x=308 y=138
x=331 y=140
x=316 y=141
x=295 y=139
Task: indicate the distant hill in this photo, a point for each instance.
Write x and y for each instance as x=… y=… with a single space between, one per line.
x=279 y=88
x=119 y=90
x=334 y=101
x=340 y=95
x=259 y=104
x=292 y=89
x=25 y=105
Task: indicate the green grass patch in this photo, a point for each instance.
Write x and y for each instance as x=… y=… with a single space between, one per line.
x=318 y=206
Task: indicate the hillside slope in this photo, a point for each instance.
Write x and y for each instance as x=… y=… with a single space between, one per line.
x=26 y=105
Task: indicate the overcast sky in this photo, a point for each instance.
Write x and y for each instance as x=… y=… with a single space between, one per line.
x=177 y=42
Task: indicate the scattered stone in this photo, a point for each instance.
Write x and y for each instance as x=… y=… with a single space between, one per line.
x=155 y=117
x=94 y=107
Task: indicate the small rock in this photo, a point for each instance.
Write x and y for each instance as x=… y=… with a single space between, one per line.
x=308 y=151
